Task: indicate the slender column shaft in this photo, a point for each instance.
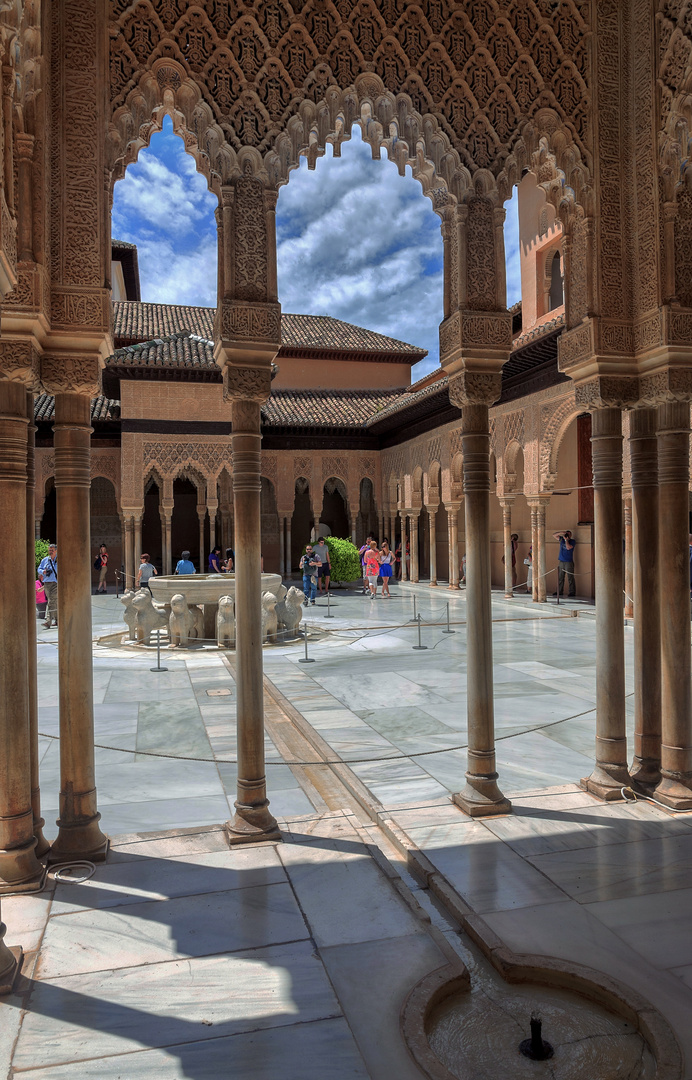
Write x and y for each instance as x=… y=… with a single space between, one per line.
x=540 y=535
x=433 y=545
x=381 y=524
x=353 y=530
x=629 y=568
x=168 y=556
x=455 y=547
x=534 y=554
x=507 y=537
x=42 y=844
x=610 y=773
x=481 y=795
x=138 y=545
x=79 y=834
x=282 y=552
x=404 y=566
x=18 y=863
x=25 y=151
x=201 y=515
x=129 y=552
x=252 y=819
x=646 y=766
x=414 y=546
x=675 y=787
x=288 y=547
x=449 y=548
x=211 y=510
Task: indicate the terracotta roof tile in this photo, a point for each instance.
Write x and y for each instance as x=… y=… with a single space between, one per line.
x=140 y=321
x=44 y=408
x=325 y=408
x=182 y=349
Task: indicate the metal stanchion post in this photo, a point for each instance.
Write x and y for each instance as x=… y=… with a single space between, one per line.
x=448 y=631
x=419 y=646
x=158 y=654
x=328 y=615
x=307 y=659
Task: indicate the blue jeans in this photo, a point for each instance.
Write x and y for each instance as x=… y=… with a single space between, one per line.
x=309 y=586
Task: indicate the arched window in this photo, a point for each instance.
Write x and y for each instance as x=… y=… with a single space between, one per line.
x=557 y=298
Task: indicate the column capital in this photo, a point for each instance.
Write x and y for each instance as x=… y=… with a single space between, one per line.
x=481 y=339
x=607 y=392
x=475 y=388
x=246 y=383
x=72 y=374
x=20 y=361
x=249 y=332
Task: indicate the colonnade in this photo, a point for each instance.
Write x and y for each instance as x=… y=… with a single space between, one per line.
x=132 y=522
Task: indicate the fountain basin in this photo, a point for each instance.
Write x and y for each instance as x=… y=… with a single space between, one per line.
x=204 y=588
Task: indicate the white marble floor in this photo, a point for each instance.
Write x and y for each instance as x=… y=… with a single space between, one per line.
x=181 y=958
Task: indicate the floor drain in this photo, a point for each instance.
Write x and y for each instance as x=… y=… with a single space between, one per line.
x=223 y=691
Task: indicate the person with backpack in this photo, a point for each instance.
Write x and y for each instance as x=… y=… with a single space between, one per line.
x=48 y=575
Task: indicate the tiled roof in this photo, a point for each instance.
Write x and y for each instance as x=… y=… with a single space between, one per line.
x=136 y=320
x=44 y=408
x=325 y=408
x=406 y=400
x=182 y=349
x=123 y=245
x=536 y=332
x=140 y=321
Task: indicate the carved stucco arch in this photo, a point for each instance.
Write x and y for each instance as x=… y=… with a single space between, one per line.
x=509 y=466
x=195 y=473
x=432 y=484
x=553 y=432
x=457 y=476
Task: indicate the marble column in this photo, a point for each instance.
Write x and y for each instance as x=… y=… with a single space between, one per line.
x=506 y=505
x=646 y=765
x=201 y=517
x=432 y=511
x=167 y=548
x=79 y=835
x=288 y=546
x=404 y=566
x=454 y=519
x=129 y=582
x=481 y=795
x=413 y=520
x=629 y=571
x=252 y=820
x=610 y=774
x=353 y=530
x=42 y=844
x=212 y=507
x=534 y=552
x=138 y=545
x=19 y=867
x=540 y=536
x=381 y=526
x=675 y=786
x=282 y=549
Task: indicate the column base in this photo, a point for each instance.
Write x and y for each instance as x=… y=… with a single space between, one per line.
x=607 y=784
x=645 y=774
x=20 y=870
x=76 y=842
x=10 y=962
x=252 y=825
x=509 y=596
x=482 y=797
x=42 y=845
x=677 y=794
x=433 y=584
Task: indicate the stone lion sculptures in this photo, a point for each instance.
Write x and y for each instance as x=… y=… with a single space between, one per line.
x=130 y=615
x=225 y=622
x=148 y=616
x=184 y=622
x=290 y=610
x=270 y=622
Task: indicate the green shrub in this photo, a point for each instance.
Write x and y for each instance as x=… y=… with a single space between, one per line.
x=40 y=550
x=345 y=560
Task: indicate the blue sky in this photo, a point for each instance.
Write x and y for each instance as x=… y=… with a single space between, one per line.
x=354 y=240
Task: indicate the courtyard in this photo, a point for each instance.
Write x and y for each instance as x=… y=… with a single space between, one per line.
x=181 y=957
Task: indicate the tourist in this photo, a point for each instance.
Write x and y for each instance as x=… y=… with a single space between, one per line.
x=386 y=560
x=463 y=569
x=48 y=575
x=363 y=549
x=528 y=563
x=371 y=561
x=397 y=561
x=322 y=552
x=146 y=571
x=227 y=566
x=215 y=560
x=565 y=562
x=184 y=565
x=515 y=545
x=310 y=566
x=101 y=564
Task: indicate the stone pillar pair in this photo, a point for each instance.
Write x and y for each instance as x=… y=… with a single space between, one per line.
x=413 y=525
x=453 y=543
x=404 y=564
x=663 y=703
x=432 y=533
x=539 y=566
x=506 y=504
